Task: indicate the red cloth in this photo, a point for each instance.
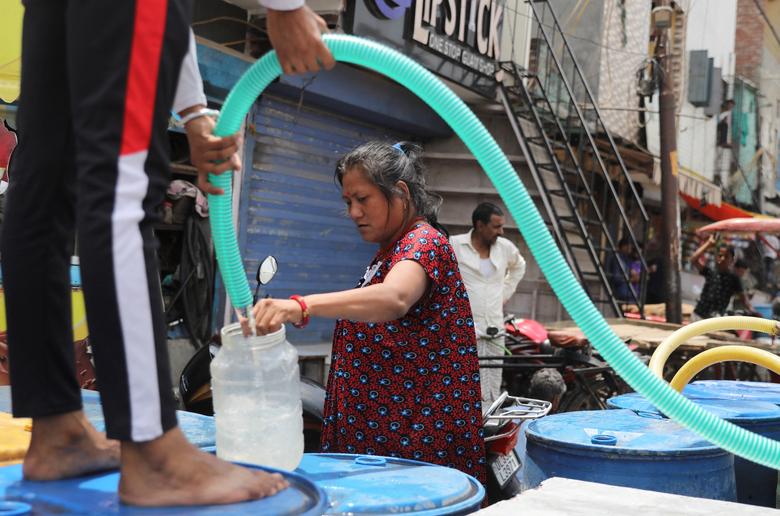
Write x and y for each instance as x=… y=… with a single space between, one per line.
x=409 y=388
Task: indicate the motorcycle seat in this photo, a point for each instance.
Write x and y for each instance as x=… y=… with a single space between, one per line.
x=567 y=339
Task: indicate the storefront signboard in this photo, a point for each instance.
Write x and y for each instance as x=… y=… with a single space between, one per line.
x=457 y=39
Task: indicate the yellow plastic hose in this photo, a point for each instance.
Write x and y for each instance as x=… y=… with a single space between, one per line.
x=723 y=354
x=679 y=337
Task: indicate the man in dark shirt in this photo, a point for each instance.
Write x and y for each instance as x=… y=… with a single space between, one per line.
x=720 y=284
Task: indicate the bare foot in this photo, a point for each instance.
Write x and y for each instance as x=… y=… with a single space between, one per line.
x=67 y=445
x=170 y=471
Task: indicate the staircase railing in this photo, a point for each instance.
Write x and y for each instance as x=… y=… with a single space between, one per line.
x=557 y=99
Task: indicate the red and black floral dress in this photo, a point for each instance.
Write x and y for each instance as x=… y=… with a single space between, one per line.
x=409 y=388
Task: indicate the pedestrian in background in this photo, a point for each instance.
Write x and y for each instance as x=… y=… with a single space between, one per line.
x=720 y=282
x=492 y=267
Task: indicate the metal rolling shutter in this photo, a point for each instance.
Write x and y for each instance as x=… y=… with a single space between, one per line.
x=291 y=205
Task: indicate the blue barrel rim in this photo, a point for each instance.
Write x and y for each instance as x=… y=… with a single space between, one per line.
x=318 y=510
x=729 y=388
x=741 y=419
x=315 y=492
x=14 y=508
x=474 y=500
x=617 y=451
x=306 y=488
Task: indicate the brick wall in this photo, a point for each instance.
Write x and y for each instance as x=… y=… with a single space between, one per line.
x=749 y=40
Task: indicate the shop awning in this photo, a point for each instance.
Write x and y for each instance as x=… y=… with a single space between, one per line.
x=719 y=212
x=10 y=49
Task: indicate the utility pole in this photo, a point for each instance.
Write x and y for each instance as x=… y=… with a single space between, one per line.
x=670 y=233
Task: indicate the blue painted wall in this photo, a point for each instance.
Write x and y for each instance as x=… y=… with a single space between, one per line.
x=291 y=206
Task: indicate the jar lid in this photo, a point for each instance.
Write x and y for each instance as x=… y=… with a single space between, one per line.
x=232 y=334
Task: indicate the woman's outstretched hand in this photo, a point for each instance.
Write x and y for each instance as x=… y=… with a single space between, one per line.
x=270 y=314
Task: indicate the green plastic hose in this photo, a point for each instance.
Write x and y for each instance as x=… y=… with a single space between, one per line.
x=237 y=105
x=424 y=84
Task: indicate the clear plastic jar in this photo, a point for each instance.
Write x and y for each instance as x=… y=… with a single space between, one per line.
x=257 y=399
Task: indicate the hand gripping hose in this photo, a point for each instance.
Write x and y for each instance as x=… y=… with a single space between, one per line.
x=441 y=99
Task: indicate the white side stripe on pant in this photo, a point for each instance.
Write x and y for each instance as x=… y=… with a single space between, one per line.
x=133 y=297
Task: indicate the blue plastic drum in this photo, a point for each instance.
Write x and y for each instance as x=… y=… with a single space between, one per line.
x=200 y=430
x=756 y=484
x=621 y=448
x=365 y=484
x=751 y=405
x=97 y=494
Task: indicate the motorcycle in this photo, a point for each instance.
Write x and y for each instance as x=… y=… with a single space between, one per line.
x=530 y=347
x=502 y=423
x=527 y=335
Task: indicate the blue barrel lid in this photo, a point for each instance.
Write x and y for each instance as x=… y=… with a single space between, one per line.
x=618 y=431
x=738 y=411
x=383 y=485
x=97 y=494
x=737 y=390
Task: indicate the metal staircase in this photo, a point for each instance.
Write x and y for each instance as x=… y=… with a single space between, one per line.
x=568 y=148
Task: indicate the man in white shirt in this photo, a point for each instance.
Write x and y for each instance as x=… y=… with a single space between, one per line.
x=491 y=267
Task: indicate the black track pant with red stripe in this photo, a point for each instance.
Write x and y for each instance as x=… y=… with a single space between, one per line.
x=98 y=81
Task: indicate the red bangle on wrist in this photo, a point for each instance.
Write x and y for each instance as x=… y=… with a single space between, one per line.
x=304 y=311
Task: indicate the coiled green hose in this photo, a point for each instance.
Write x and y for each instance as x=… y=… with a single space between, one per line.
x=425 y=85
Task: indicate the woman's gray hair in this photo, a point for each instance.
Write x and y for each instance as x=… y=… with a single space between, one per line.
x=385 y=164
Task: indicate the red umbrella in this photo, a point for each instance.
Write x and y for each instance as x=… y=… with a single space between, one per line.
x=742 y=225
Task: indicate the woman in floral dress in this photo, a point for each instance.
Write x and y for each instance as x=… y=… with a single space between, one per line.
x=404 y=377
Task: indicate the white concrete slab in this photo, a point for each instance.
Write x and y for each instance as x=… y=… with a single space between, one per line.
x=565 y=497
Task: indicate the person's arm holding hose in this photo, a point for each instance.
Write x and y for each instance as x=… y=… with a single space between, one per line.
x=695 y=258
x=295 y=32
x=208 y=153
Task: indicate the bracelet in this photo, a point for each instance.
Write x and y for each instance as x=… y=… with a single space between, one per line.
x=304 y=311
x=182 y=121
